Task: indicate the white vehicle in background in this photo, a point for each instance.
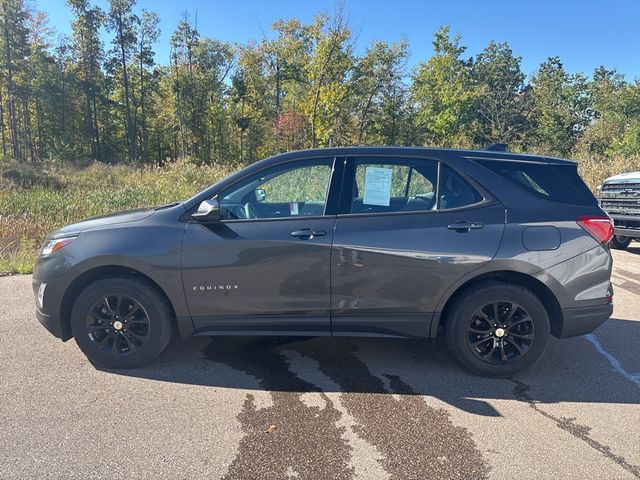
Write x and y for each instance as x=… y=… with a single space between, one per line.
x=620 y=197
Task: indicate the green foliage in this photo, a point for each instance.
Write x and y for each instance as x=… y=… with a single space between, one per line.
x=560 y=108
x=34 y=203
x=300 y=86
x=378 y=93
x=504 y=104
x=444 y=94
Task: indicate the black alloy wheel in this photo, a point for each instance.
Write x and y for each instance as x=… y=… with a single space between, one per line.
x=118 y=324
x=500 y=333
x=497 y=329
x=122 y=322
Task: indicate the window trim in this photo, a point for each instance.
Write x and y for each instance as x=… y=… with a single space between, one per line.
x=349 y=174
x=337 y=172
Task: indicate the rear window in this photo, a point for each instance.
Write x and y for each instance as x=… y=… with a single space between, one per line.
x=558 y=183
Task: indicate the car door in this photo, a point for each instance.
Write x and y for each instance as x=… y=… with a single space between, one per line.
x=407 y=230
x=264 y=268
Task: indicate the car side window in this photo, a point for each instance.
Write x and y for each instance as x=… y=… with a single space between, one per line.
x=394 y=186
x=289 y=190
x=455 y=191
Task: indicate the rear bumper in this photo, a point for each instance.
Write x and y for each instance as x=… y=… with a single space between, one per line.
x=582 y=320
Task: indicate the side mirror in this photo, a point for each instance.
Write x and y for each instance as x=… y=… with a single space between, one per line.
x=261 y=195
x=208 y=212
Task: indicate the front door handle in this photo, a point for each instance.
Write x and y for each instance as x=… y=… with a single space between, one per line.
x=308 y=234
x=463 y=226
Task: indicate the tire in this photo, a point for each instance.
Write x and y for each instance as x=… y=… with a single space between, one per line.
x=620 y=243
x=522 y=342
x=121 y=322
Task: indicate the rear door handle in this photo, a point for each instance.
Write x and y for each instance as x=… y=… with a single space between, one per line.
x=308 y=234
x=464 y=226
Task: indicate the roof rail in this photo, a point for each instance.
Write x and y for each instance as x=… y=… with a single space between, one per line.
x=497 y=147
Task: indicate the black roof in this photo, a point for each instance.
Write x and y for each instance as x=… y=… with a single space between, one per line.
x=425 y=151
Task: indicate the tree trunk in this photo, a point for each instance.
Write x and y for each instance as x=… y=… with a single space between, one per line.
x=28 y=137
x=278 y=87
x=242 y=131
x=4 y=137
x=13 y=126
x=131 y=135
x=93 y=111
x=41 y=147
x=143 y=116
x=363 y=118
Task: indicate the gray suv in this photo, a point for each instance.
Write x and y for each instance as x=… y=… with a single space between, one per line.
x=497 y=251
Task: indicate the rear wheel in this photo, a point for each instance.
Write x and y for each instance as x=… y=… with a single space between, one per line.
x=620 y=243
x=497 y=330
x=121 y=322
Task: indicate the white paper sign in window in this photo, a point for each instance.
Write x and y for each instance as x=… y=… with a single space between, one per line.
x=377 y=186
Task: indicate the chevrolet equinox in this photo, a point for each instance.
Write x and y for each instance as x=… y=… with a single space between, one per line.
x=497 y=251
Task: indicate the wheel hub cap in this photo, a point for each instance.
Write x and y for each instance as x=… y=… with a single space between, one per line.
x=117 y=325
x=500 y=332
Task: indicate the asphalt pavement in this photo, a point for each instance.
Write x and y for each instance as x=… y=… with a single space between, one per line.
x=275 y=408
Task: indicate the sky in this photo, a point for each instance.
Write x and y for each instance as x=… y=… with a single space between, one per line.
x=583 y=33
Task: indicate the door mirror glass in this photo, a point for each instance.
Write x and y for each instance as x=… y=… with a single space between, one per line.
x=261 y=194
x=208 y=211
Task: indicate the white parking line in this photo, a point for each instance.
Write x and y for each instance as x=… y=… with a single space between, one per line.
x=613 y=361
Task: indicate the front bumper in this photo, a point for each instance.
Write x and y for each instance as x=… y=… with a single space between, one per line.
x=582 y=320
x=627 y=232
x=626 y=225
x=53 y=324
x=48 y=310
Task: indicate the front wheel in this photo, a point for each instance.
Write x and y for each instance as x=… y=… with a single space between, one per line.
x=619 y=242
x=121 y=322
x=497 y=330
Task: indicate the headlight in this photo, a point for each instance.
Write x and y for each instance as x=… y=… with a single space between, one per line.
x=54 y=245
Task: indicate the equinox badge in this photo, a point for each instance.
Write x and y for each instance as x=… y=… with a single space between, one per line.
x=203 y=288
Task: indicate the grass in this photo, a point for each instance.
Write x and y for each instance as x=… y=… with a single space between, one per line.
x=37 y=199
x=34 y=201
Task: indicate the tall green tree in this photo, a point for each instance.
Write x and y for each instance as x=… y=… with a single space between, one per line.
x=327 y=73
x=14 y=46
x=122 y=22
x=285 y=61
x=199 y=69
x=43 y=72
x=560 y=108
x=444 y=94
x=504 y=103
x=88 y=54
x=608 y=121
x=147 y=36
x=377 y=85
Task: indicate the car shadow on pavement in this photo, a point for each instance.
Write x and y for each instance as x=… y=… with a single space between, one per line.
x=571 y=370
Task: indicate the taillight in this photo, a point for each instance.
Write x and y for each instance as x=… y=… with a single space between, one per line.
x=599 y=227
